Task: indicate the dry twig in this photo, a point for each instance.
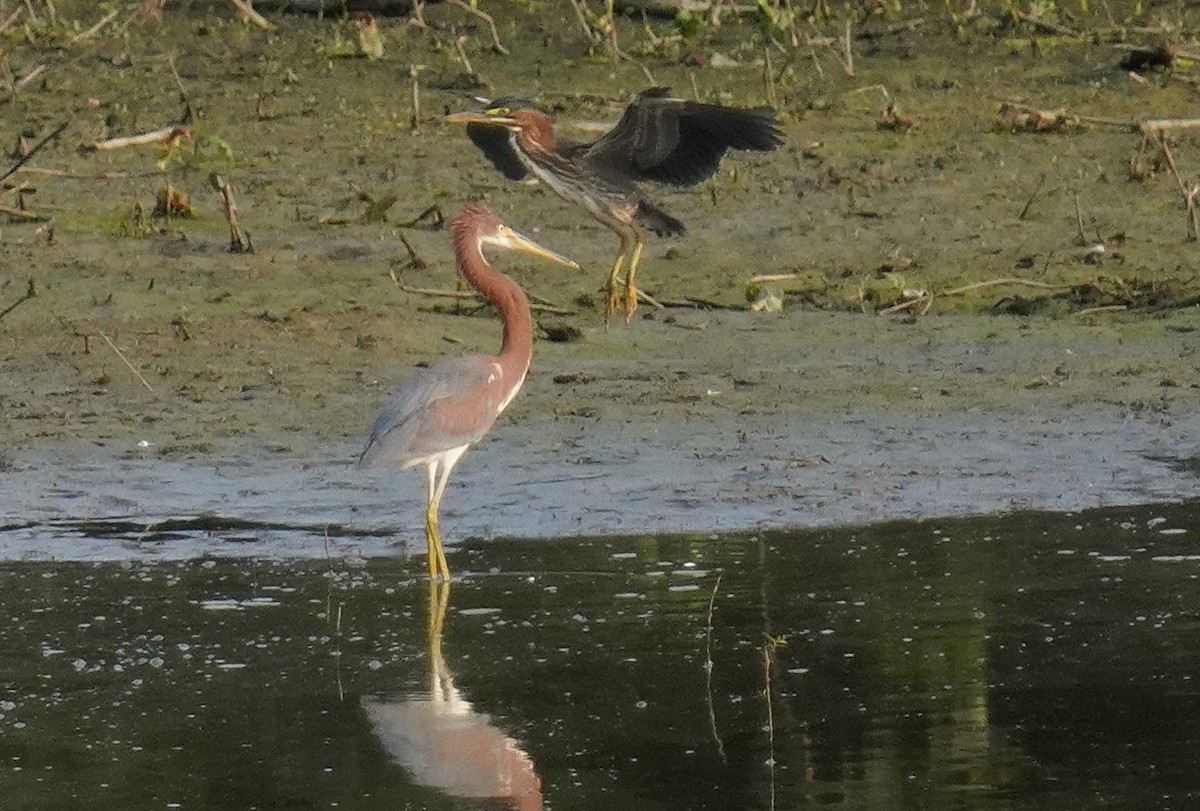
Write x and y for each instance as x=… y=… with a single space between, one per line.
x=239 y=242
x=487 y=18
x=125 y=360
x=247 y=12
x=30 y=292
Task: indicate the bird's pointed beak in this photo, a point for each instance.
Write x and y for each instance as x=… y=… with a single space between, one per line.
x=479 y=117
x=518 y=241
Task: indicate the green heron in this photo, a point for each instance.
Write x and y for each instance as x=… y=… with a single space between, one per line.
x=442 y=410
x=658 y=139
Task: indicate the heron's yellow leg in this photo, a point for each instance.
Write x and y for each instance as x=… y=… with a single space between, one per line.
x=610 y=298
x=630 y=290
x=433 y=539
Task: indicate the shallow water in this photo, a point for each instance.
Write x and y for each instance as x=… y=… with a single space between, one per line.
x=1028 y=661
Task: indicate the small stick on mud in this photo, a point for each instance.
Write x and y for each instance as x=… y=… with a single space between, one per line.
x=22 y=214
x=1160 y=124
x=588 y=31
x=487 y=18
x=847 y=52
x=247 y=11
x=462 y=54
x=434 y=213
x=1107 y=308
x=89 y=33
x=414 y=258
x=166 y=135
x=769 y=80
x=1029 y=203
x=30 y=292
x=996 y=282
x=537 y=303
x=125 y=360
x=1079 y=219
x=773 y=277
x=239 y=242
x=414 y=122
x=12 y=19
x=1187 y=190
x=29 y=153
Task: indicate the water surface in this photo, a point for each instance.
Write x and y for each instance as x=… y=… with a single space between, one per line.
x=1029 y=661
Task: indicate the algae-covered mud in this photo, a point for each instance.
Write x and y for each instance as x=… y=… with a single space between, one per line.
x=942 y=275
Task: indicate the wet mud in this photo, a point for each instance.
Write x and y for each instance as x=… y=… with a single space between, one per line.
x=1041 y=349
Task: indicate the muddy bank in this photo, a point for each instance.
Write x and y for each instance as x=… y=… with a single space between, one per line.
x=154 y=373
x=809 y=420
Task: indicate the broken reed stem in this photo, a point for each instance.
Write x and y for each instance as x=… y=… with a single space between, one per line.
x=588 y=32
x=35 y=149
x=769 y=80
x=414 y=123
x=1187 y=191
x=89 y=33
x=12 y=19
x=768 y=648
x=708 y=671
x=238 y=241
x=125 y=360
x=462 y=54
x=1107 y=308
x=1029 y=203
x=995 y=282
x=30 y=292
x=848 y=59
x=1079 y=218
x=611 y=15
x=22 y=214
x=487 y=18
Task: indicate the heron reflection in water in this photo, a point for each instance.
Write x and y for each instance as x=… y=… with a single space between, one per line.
x=447 y=744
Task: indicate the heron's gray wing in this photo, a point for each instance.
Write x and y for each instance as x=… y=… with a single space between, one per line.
x=677 y=142
x=495 y=142
x=445 y=406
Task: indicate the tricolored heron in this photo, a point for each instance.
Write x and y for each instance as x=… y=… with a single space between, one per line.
x=659 y=139
x=442 y=410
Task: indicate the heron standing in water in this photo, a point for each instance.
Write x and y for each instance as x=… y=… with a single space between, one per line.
x=439 y=412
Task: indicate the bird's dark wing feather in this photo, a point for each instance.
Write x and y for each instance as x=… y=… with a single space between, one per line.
x=494 y=142
x=445 y=406
x=668 y=140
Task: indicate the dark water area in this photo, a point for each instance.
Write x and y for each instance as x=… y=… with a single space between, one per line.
x=1025 y=661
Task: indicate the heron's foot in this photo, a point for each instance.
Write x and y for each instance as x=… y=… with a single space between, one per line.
x=631 y=301
x=611 y=303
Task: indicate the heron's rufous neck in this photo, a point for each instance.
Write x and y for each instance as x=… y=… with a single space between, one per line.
x=507 y=297
x=536 y=133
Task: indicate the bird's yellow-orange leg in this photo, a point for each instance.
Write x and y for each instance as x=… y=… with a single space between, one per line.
x=630 y=290
x=433 y=540
x=610 y=299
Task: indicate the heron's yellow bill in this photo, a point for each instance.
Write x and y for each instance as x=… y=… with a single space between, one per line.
x=516 y=241
x=491 y=116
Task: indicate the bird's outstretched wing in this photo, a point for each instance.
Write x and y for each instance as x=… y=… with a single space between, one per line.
x=445 y=406
x=495 y=142
x=678 y=142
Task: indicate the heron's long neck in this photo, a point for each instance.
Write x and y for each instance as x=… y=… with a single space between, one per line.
x=507 y=297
